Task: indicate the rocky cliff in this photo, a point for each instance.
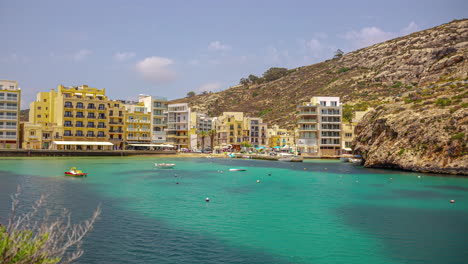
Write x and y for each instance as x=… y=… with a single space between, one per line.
x=417 y=85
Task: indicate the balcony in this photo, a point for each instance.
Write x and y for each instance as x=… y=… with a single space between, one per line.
x=132 y=138
x=92 y=126
x=116 y=123
x=101 y=136
x=116 y=139
x=145 y=130
x=68 y=106
x=101 y=126
x=12 y=99
x=159 y=133
x=144 y=138
x=8 y=127
x=145 y=121
x=307 y=113
x=79 y=135
x=102 y=117
x=7 y=137
x=132 y=120
x=68 y=116
x=116 y=131
x=80 y=116
x=9 y=108
x=307 y=121
x=310 y=128
x=91 y=117
x=132 y=129
x=2 y=117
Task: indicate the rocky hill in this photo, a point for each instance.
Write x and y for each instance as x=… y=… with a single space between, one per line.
x=417 y=85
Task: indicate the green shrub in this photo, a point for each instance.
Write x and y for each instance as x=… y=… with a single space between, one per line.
x=443 y=102
x=397 y=84
x=254 y=94
x=459 y=136
x=402 y=150
x=344 y=69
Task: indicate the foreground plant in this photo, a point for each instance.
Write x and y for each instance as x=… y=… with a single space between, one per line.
x=36 y=237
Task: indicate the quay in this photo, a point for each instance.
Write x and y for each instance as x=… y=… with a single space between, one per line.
x=75 y=153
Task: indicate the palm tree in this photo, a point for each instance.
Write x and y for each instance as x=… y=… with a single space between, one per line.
x=212 y=134
x=202 y=134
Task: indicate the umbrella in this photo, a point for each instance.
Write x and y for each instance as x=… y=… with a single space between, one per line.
x=277 y=147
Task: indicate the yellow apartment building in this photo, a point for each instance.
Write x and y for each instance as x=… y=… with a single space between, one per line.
x=116 y=112
x=71 y=118
x=280 y=138
x=232 y=130
x=10 y=103
x=137 y=125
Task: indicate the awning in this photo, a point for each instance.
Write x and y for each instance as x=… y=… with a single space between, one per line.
x=347 y=149
x=152 y=145
x=90 y=143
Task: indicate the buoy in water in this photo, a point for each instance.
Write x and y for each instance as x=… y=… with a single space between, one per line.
x=326 y=168
x=207 y=199
x=452 y=201
x=177 y=183
x=391 y=179
x=305 y=168
x=258 y=181
x=357 y=181
x=419 y=176
x=269 y=174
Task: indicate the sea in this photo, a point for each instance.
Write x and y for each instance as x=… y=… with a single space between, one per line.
x=317 y=211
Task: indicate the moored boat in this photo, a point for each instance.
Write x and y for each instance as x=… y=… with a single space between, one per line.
x=237 y=169
x=164 y=165
x=75 y=173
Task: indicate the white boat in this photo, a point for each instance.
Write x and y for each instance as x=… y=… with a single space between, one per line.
x=237 y=169
x=355 y=161
x=285 y=159
x=164 y=165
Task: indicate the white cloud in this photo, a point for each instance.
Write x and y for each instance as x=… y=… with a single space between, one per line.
x=217 y=45
x=368 y=36
x=314 y=44
x=156 y=69
x=123 y=56
x=210 y=87
x=372 y=35
x=412 y=27
x=81 y=55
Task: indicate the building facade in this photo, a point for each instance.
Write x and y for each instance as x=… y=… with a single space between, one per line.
x=178 y=125
x=10 y=103
x=137 y=125
x=157 y=106
x=319 y=127
x=72 y=118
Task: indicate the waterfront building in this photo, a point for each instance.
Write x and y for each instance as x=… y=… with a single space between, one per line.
x=280 y=138
x=76 y=116
x=10 y=103
x=157 y=106
x=348 y=134
x=258 y=135
x=203 y=125
x=116 y=112
x=232 y=130
x=179 y=125
x=319 y=127
x=137 y=125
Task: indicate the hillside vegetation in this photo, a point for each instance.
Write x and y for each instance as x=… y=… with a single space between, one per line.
x=416 y=84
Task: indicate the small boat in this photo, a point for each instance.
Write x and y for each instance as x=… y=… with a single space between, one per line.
x=355 y=161
x=164 y=165
x=285 y=159
x=237 y=169
x=73 y=172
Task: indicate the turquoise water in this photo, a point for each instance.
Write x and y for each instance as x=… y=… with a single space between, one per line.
x=311 y=212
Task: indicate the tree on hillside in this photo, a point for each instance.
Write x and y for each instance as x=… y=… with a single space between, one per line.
x=244 y=81
x=190 y=94
x=274 y=73
x=348 y=113
x=338 y=54
x=253 y=79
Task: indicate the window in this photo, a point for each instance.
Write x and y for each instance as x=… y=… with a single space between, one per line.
x=31 y=133
x=101 y=125
x=157 y=104
x=91 y=115
x=79 y=133
x=102 y=107
x=67 y=124
x=323 y=103
x=348 y=134
x=38 y=108
x=101 y=134
x=79 y=123
x=45 y=100
x=68 y=114
x=67 y=133
x=68 y=104
x=79 y=105
x=157 y=112
x=334 y=103
x=90 y=124
x=91 y=106
x=38 y=116
x=90 y=134
x=79 y=114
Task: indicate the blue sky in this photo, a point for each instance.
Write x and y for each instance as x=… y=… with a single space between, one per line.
x=168 y=48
